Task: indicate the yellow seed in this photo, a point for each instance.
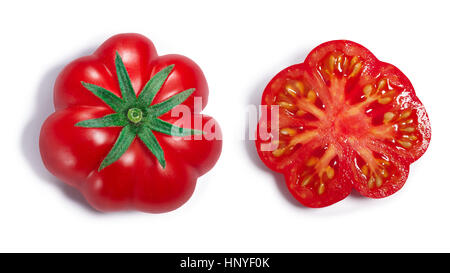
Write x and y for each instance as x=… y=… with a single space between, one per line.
x=381 y=85
x=356 y=70
x=384 y=173
x=383 y=162
x=330 y=172
x=300 y=113
x=367 y=90
x=388 y=116
x=300 y=86
x=409 y=121
x=345 y=63
x=408 y=129
x=354 y=60
x=371 y=182
x=295 y=87
x=287 y=105
x=410 y=137
x=378 y=181
x=405 y=144
x=288 y=131
x=307 y=180
x=311 y=97
x=405 y=114
x=321 y=188
x=290 y=90
x=312 y=161
x=384 y=100
x=365 y=170
x=339 y=62
x=331 y=63
x=278 y=152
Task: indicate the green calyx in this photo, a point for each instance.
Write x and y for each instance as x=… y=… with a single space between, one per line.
x=136 y=114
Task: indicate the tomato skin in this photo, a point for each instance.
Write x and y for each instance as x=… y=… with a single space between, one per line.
x=69 y=152
x=349 y=121
x=136 y=180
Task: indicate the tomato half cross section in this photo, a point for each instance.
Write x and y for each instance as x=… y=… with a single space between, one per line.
x=341 y=120
x=124 y=131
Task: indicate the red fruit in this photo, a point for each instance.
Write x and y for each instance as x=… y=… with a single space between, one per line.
x=346 y=120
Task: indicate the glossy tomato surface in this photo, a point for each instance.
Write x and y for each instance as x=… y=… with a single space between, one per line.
x=136 y=180
x=342 y=119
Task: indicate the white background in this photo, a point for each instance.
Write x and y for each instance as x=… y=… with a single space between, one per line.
x=239 y=205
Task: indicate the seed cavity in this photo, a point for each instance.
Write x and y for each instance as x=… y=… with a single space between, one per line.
x=405 y=125
x=341 y=63
x=381 y=92
x=318 y=169
x=376 y=168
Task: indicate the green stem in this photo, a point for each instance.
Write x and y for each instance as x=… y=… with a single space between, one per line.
x=135 y=115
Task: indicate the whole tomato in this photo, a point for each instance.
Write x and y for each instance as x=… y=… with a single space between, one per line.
x=114 y=133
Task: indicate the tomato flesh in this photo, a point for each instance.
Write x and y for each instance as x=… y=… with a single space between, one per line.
x=345 y=120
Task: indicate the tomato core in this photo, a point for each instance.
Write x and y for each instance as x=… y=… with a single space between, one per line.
x=349 y=124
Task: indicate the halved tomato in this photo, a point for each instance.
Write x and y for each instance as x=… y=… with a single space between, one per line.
x=341 y=120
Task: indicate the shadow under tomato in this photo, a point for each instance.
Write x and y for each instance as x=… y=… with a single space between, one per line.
x=30 y=134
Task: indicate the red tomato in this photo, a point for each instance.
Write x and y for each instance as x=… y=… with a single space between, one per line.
x=345 y=120
x=126 y=89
